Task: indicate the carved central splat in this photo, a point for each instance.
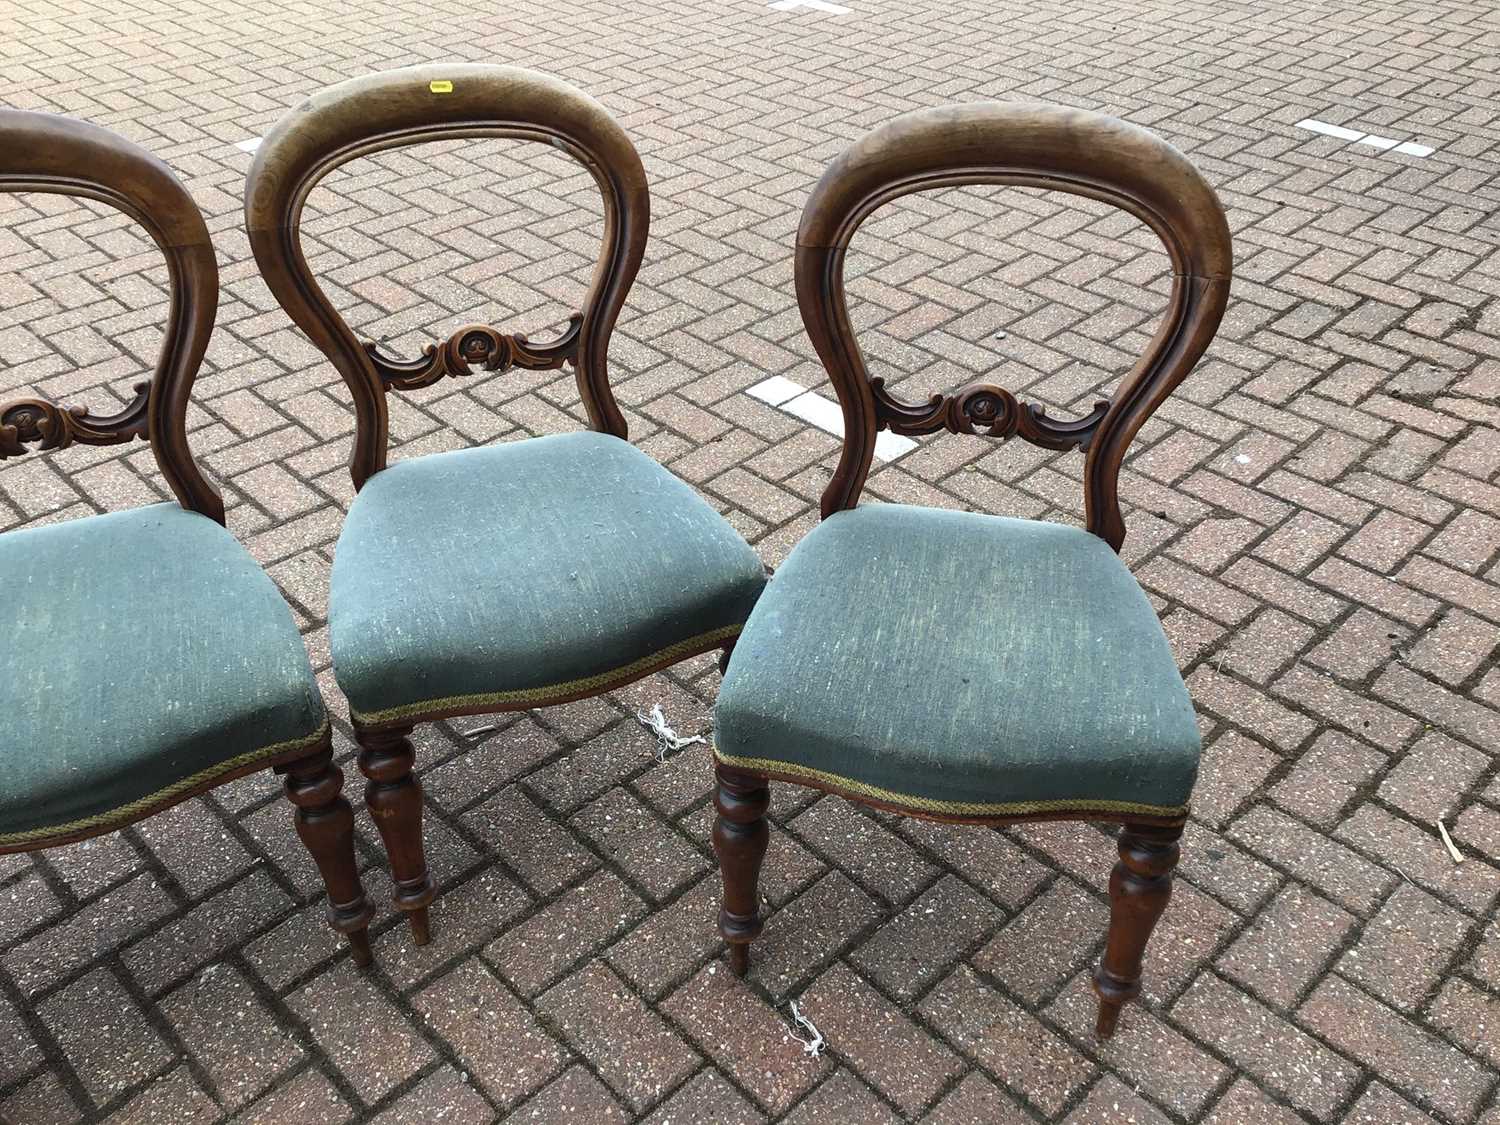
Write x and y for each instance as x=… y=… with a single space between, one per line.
x=476 y=345
x=983 y=408
x=35 y=421
x=31 y=422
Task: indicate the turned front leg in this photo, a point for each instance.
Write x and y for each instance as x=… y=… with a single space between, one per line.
x=394 y=798
x=1139 y=889
x=740 y=838
x=325 y=824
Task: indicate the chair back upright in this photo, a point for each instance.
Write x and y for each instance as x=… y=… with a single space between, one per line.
x=44 y=152
x=436 y=102
x=1023 y=145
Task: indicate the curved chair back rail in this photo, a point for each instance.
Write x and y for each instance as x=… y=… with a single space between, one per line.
x=47 y=153
x=1037 y=146
x=432 y=103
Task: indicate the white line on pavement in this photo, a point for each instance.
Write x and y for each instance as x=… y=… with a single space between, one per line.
x=1328 y=130
x=816 y=5
x=810 y=406
x=1372 y=140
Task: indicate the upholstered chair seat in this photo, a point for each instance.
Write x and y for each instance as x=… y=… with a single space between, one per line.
x=961 y=664
x=527 y=573
x=164 y=657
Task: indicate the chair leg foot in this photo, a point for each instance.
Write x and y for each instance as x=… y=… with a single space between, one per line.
x=741 y=834
x=417 y=919
x=1139 y=888
x=739 y=957
x=1109 y=1018
x=394 y=798
x=325 y=824
x=359 y=944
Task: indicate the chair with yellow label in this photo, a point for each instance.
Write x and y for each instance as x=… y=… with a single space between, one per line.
x=502 y=577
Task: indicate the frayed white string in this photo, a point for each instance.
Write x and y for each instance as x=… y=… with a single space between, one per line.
x=1458 y=856
x=813 y=1046
x=667 y=739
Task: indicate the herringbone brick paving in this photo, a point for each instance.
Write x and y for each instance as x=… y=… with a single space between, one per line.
x=1316 y=515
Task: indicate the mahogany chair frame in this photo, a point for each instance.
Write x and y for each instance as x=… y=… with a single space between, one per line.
x=57 y=155
x=1032 y=146
x=415 y=105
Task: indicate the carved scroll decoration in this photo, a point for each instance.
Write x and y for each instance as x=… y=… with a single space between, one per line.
x=45 y=425
x=983 y=408
x=476 y=345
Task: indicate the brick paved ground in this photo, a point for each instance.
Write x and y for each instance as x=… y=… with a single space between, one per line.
x=1315 y=515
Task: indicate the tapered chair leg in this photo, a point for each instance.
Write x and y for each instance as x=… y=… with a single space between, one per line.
x=741 y=834
x=325 y=823
x=394 y=798
x=1139 y=889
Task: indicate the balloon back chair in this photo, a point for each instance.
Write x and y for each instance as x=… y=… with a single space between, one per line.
x=152 y=658
x=966 y=667
x=495 y=578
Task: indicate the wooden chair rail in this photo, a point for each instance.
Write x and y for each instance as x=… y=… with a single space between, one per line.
x=61 y=156
x=1022 y=145
x=445 y=102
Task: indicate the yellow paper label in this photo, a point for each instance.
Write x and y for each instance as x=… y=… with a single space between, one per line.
x=440 y=86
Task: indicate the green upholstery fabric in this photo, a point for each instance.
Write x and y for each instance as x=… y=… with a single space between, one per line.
x=146 y=648
x=516 y=574
x=949 y=659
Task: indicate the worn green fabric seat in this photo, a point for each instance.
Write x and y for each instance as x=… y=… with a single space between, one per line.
x=527 y=573
x=949 y=662
x=149 y=653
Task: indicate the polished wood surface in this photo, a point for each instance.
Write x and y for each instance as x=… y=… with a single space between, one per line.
x=325 y=824
x=741 y=836
x=1139 y=888
x=400 y=107
x=1021 y=145
x=394 y=797
x=44 y=152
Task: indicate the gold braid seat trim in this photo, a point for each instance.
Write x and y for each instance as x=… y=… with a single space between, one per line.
x=136 y=810
x=564 y=692
x=837 y=783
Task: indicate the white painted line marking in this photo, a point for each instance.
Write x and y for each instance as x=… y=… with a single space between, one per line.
x=813 y=407
x=816 y=5
x=892 y=447
x=776 y=390
x=248 y=146
x=1372 y=140
x=1329 y=130
x=828 y=416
